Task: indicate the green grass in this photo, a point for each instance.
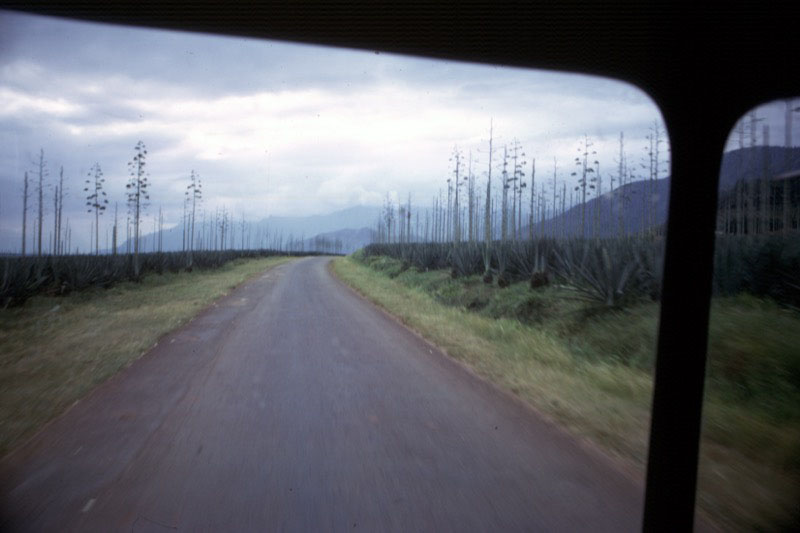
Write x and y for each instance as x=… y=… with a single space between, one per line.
x=53 y=350
x=590 y=370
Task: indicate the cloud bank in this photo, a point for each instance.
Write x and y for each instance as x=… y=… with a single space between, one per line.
x=277 y=128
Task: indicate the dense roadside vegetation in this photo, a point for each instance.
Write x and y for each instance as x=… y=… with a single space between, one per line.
x=54 y=350
x=610 y=272
x=23 y=277
x=553 y=337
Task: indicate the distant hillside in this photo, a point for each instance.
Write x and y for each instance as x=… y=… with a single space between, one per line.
x=343 y=241
x=751 y=163
x=746 y=164
x=353 y=226
x=309 y=226
x=622 y=209
x=347 y=224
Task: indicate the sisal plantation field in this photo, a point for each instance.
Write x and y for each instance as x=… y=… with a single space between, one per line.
x=54 y=350
x=589 y=368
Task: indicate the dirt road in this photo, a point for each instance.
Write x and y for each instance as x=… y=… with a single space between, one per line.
x=294 y=405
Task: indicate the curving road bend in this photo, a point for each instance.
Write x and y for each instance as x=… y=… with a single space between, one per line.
x=294 y=405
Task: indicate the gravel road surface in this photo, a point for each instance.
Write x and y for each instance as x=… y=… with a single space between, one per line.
x=294 y=405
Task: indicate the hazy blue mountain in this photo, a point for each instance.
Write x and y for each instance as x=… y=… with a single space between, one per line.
x=350 y=218
x=341 y=241
x=745 y=164
x=751 y=163
x=354 y=226
x=620 y=211
x=274 y=231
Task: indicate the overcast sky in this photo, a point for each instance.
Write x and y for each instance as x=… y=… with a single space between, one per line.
x=277 y=128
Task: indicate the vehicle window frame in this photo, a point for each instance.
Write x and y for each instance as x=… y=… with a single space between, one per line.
x=702 y=81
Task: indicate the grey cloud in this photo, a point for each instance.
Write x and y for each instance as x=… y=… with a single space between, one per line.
x=123 y=77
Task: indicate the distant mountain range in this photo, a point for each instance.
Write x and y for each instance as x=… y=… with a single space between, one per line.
x=753 y=163
x=349 y=229
x=351 y=218
x=742 y=164
x=621 y=211
x=343 y=241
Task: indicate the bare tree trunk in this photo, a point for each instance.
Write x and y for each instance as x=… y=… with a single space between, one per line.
x=56 y=213
x=41 y=203
x=504 y=205
x=555 y=189
x=54 y=236
x=449 y=214
x=136 y=229
x=61 y=210
x=114 y=231
x=96 y=228
x=570 y=215
x=598 y=203
x=408 y=218
x=740 y=210
x=563 y=216
x=487 y=216
x=543 y=208
x=24 y=213
x=456 y=208
x=487 y=219
x=513 y=188
x=766 y=215
x=183 y=227
x=786 y=207
x=620 y=186
x=471 y=200
x=531 y=215
x=191 y=233
x=583 y=184
x=160 y=230
x=658 y=142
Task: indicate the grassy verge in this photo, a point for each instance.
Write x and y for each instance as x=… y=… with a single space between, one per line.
x=591 y=372
x=53 y=350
